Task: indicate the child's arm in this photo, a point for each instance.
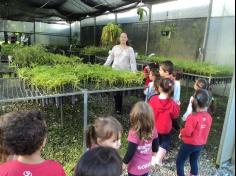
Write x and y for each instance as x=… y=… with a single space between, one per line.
x=132 y=147
x=189 y=128
x=177 y=90
x=176 y=111
x=189 y=110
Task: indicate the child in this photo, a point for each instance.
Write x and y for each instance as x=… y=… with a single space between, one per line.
x=195 y=133
x=143 y=140
x=150 y=90
x=104 y=132
x=167 y=71
x=99 y=161
x=146 y=72
x=200 y=84
x=165 y=110
x=24 y=134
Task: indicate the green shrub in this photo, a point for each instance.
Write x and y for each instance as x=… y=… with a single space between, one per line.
x=95 y=51
x=36 y=55
x=191 y=66
x=58 y=77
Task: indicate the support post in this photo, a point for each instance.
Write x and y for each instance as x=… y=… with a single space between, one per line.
x=207 y=28
x=34 y=33
x=95 y=31
x=116 y=19
x=85 y=117
x=148 y=28
x=70 y=34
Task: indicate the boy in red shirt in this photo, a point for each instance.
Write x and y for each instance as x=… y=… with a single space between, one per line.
x=24 y=134
x=165 y=111
x=195 y=133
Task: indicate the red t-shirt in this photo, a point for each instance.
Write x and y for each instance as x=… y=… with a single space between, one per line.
x=47 y=168
x=197 y=128
x=165 y=110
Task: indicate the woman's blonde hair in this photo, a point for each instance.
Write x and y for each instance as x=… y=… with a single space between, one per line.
x=103 y=128
x=142 y=120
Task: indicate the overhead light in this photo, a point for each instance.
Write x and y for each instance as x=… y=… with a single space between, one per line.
x=107 y=11
x=87 y=16
x=140 y=4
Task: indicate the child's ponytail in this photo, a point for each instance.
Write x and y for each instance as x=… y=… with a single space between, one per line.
x=91 y=137
x=201 y=99
x=167 y=86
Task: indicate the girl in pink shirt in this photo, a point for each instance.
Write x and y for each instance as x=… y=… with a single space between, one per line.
x=143 y=140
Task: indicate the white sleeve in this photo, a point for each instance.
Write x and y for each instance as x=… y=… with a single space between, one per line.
x=177 y=90
x=133 y=63
x=111 y=57
x=189 y=110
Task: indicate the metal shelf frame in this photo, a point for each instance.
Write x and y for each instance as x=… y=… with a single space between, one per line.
x=14 y=90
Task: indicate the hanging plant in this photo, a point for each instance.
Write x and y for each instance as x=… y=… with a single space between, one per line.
x=141 y=12
x=110 y=34
x=168 y=30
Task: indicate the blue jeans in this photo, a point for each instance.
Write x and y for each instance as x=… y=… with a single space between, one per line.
x=138 y=175
x=188 y=151
x=164 y=140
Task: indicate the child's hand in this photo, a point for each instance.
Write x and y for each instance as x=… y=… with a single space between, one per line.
x=124 y=167
x=180 y=136
x=178 y=103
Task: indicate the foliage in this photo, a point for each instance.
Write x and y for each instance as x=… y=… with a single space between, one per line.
x=36 y=55
x=194 y=67
x=110 y=34
x=141 y=11
x=8 y=49
x=95 y=51
x=58 y=77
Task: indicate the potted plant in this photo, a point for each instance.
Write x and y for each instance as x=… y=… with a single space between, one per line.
x=141 y=12
x=110 y=35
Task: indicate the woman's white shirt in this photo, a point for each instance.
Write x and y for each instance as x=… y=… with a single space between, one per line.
x=122 y=58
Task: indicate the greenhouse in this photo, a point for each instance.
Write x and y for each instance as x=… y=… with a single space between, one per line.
x=58 y=57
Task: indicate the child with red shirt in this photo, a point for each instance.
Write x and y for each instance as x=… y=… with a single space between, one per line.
x=195 y=133
x=143 y=140
x=24 y=134
x=165 y=110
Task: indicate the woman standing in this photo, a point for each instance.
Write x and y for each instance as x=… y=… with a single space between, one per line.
x=122 y=57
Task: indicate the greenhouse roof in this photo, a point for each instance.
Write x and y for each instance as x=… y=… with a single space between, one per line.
x=69 y=10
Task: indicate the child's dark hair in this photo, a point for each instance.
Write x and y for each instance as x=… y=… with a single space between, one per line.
x=177 y=74
x=99 y=161
x=154 y=65
x=103 y=128
x=3 y=152
x=142 y=120
x=167 y=86
x=202 y=84
x=201 y=99
x=23 y=132
x=167 y=66
x=157 y=84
